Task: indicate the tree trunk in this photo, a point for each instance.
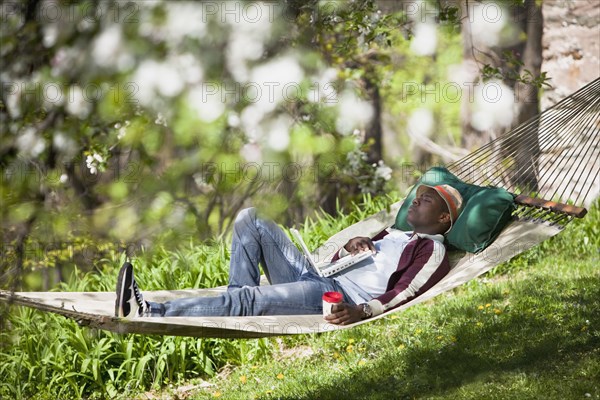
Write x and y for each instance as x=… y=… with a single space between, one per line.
x=374 y=131
x=527 y=96
x=524 y=154
x=471 y=138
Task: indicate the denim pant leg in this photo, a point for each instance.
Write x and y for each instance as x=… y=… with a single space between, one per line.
x=294 y=298
x=255 y=241
x=294 y=288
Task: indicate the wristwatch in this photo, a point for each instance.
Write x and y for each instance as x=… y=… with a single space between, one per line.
x=366 y=311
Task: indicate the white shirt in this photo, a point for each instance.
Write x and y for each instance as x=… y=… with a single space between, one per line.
x=372 y=277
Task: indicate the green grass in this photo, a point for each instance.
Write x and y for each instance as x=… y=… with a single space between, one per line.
x=526 y=330
x=45 y=356
x=532 y=337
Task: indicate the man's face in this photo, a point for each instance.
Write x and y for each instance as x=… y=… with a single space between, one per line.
x=428 y=213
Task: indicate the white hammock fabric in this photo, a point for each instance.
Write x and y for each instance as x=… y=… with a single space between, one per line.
x=95 y=309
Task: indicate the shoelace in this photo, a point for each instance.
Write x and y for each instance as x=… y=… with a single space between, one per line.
x=139 y=298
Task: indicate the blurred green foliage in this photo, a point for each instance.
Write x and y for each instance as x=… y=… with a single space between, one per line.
x=130 y=125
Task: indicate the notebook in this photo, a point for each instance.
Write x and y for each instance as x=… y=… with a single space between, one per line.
x=325 y=269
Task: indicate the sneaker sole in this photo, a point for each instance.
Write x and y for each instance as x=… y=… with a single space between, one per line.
x=123 y=285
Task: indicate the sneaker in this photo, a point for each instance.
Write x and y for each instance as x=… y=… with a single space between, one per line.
x=130 y=301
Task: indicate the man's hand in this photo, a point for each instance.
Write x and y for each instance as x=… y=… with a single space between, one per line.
x=358 y=244
x=344 y=314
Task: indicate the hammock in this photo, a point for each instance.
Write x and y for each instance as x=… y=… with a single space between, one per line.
x=560 y=164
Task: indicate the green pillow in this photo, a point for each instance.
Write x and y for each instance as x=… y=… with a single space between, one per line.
x=485 y=212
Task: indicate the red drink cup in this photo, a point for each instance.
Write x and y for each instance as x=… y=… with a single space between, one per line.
x=329 y=300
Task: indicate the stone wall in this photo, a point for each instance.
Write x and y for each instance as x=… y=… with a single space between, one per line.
x=571 y=57
x=571 y=44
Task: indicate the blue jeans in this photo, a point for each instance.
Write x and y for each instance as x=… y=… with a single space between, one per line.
x=294 y=288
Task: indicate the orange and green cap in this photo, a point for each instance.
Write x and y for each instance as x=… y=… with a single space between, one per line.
x=451 y=197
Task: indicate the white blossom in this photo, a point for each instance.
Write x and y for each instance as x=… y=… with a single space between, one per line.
x=353 y=112
x=64 y=144
x=13 y=97
x=160 y=119
x=121 y=129
x=93 y=162
x=50 y=32
x=153 y=77
x=207 y=107
x=382 y=171
x=233 y=120
x=272 y=78
x=77 y=104
x=421 y=122
x=246 y=44
x=279 y=133
x=30 y=143
x=107 y=47
x=424 y=42
x=251 y=152
x=64 y=59
x=488 y=21
x=185 y=18
x=494 y=106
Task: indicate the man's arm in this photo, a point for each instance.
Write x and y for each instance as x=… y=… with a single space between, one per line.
x=357 y=244
x=429 y=265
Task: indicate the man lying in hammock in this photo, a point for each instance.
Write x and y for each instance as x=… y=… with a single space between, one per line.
x=404 y=265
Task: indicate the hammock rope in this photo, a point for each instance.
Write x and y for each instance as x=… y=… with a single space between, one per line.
x=547 y=161
x=553 y=156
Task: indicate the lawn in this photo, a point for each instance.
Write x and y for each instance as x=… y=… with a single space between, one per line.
x=527 y=330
